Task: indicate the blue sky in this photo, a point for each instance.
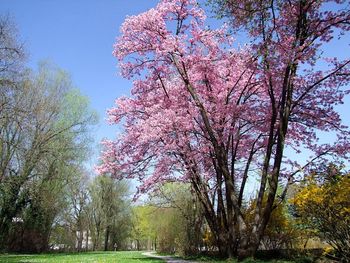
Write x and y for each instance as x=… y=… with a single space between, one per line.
x=78 y=36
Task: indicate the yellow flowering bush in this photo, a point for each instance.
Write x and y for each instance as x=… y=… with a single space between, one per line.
x=280 y=232
x=324 y=205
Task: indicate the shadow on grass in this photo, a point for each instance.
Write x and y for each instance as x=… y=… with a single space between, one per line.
x=17 y=258
x=150 y=259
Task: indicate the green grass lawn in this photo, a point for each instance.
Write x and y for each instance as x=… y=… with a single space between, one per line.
x=96 y=257
x=109 y=257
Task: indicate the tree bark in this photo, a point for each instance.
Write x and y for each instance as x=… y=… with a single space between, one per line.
x=106 y=238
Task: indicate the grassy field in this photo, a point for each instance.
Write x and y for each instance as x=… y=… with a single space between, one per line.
x=96 y=257
x=109 y=257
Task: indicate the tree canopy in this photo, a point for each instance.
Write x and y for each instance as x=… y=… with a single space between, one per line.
x=207 y=113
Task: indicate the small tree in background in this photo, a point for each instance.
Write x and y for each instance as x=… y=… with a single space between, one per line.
x=181 y=215
x=144 y=227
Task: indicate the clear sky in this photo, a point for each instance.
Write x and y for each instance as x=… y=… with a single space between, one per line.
x=78 y=36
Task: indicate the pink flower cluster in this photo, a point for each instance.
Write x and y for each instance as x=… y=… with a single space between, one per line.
x=193 y=91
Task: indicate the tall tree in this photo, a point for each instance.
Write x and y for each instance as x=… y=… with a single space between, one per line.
x=44 y=123
x=12 y=56
x=212 y=115
x=76 y=214
x=11 y=68
x=47 y=132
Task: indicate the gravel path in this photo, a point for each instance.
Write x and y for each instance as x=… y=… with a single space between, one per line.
x=168 y=259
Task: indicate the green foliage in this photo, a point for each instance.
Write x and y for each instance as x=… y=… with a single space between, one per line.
x=144 y=227
x=43 y=141
x=109 y=213
x=171 y=222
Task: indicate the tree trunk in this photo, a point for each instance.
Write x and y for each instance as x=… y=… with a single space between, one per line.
x=87 y=240
x=80 y=240
x=106 y=238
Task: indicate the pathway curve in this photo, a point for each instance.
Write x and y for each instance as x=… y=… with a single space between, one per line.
x=168 y=259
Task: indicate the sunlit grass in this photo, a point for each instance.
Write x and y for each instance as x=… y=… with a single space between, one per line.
x=96 y=257
x=119 y=257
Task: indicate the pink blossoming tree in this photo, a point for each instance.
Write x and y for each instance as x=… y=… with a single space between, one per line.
x=212 y=115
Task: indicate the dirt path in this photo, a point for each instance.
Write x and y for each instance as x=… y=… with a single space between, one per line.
x=168 y=259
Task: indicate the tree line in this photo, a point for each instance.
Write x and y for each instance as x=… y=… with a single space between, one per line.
x=313 y=220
